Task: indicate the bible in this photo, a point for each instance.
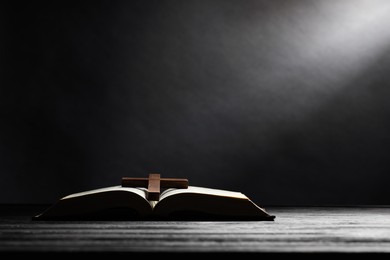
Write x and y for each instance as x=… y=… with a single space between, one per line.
x=173 y=203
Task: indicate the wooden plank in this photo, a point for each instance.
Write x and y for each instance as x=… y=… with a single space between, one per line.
x=295 y=230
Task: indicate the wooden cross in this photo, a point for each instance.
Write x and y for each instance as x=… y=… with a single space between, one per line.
x=153 y=183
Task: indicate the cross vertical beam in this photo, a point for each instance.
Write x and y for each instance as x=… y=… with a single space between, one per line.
x=154 y=187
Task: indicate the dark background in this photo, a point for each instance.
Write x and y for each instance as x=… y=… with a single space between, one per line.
x=285 y=101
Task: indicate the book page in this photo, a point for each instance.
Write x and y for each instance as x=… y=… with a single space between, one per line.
x=202 y=190
x=107 y=202
x=139 y=191
x=196 y=203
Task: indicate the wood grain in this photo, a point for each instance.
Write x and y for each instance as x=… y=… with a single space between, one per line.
x=295 y=230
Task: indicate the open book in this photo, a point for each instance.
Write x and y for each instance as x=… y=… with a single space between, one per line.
x=127 y=203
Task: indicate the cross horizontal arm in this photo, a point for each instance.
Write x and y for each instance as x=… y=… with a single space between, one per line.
x=174 y=183
x=135 y=182
x=164 y=182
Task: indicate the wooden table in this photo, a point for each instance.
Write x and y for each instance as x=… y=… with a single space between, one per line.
x=364 y=230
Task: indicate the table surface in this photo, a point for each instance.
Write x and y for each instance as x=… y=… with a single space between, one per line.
x=295 y=230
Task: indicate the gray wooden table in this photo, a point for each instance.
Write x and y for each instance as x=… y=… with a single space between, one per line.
x=295 y=230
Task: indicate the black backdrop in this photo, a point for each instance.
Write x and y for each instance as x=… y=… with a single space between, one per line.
x=285 y=101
